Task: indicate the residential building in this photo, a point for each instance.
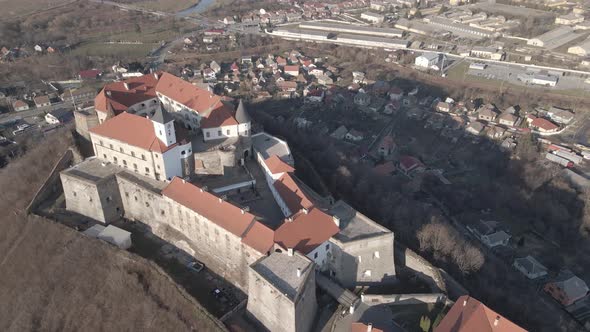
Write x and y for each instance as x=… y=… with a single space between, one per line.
x=427 y=60
x=59 y=116
x=409 y=165
x=544 y=125
x=487 y=112
x=544 y=79
x=42 y=101
x=567 y=288
x=19 y=106
x=569 y=19
x=292 y=70
x=443 y=107
x=530 y=267
x=354 y=135
x=487 y=52
x=386 y=147
x=340 y=132
x=560 y=115
x=475 y=128
x=508 y=119
x=470 y=315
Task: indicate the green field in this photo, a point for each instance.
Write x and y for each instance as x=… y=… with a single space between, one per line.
x=166 y=5
x=118 y=50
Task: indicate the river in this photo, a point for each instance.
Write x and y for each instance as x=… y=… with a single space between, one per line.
x=196 y=9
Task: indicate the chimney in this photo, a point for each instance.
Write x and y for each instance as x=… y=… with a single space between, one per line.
x=224 y=197
x=464 y=302
x=336 y=220
x=183 y=181
x=496 y=321
x=126 y=85
x=156 y=75
x=109 y=93
x=298 y=272
x=305 y=211
x=290 y=252
x=369 y=327
x=290 y=219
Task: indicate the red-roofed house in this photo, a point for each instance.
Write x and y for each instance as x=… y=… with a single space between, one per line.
x=469 y=315
x=409 y=164
x=90 y=74
x=544 y=125
x=20 y=105
x=291 y=70
x=149 y=147
x=275 y=167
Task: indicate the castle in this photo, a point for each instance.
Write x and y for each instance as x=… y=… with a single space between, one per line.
x=186 y=163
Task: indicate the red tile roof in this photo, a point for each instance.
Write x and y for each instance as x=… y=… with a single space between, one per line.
x=468 y=315
x=90 y=73
x=292 y=68
x=290 y=192
x=277 y=165
x=385 y=169
x=219 y=117
x=133 y=130
x=222 y=213
x=409 y=162
x=544 y=124
x=19 y=103
x=307 y=231
x=183 y=92
x=140 y=89
x=259 y=237
x=360 y=327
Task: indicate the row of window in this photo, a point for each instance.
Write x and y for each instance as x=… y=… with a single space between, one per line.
x=123 y=150
x=135 y=168
x=220 y=133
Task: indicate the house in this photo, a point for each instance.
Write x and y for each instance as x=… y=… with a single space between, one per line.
x=427 y=61
x=281 y=61
x=59 y=116
x=340 y=132
x=358 y=77
x=386 y=146
x=560 y=115
x=487 y=112
x=362 y=99
x=567 y=288
x=488 y=233
x=354 y=135
x=391 y=107
x=228 y=20
x=91 y=74
x=215 y=67
x=475 y=128
x=507 y=118
x=246 y=59
x=544 y=125
x=530 y=267
x=292 y=70
x=234 y=67
x=409 y=165
x=314 y=96
x=385 y=169
x=372 y=17
x=42 y=101
x=396 y=93
x=287 y=86
x=325 y=80
x=20 y=105
x=316 y=72
x=209 y=74
x=470 y=315
x=443 y=107
x=116 y=236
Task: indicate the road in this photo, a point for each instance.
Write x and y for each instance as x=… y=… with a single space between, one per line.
x=34 y=112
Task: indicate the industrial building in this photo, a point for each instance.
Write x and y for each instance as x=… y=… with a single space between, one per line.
x=349 y=28
x=372 y=41
x=372 y=17
x=554 y=38
x=459 y=29
x=582 y=49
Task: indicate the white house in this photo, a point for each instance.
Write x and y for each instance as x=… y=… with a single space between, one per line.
x=530 y=267
x=427 y=60
x=59 y=116
x=372 y=17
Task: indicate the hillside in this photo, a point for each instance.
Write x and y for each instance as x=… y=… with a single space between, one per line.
x=52 y=278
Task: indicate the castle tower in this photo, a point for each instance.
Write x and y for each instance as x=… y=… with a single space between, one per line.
x=164 y=126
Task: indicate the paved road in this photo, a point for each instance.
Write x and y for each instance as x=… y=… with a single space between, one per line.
x=8 y=117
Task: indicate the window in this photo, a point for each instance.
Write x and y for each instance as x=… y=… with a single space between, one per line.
x=315 y=255
x=101 y=143
x=227 y=131
x=127 y=194
x=246 y=132
x=162 y=212
x=147 y=204
x=143 y=156
x=328 y=246
x=158 y=166
x=219 y=133
x=208 y=134
x=90 y=199
x=125 y=163
x=147 y=169
x=183 y=153
x=74 y=193
x=156 y=155
x=133 y=153
x=160 y=132
x=109 y=198
x=135 y=198
x=115 y=160
x=142 y=105
x=111 y=146
x=376 y=254
x=104 y=156
x=135 y=166
x=121 y=150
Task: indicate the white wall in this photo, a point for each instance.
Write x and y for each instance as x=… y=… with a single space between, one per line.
x=220 y=132
x=322 y=254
